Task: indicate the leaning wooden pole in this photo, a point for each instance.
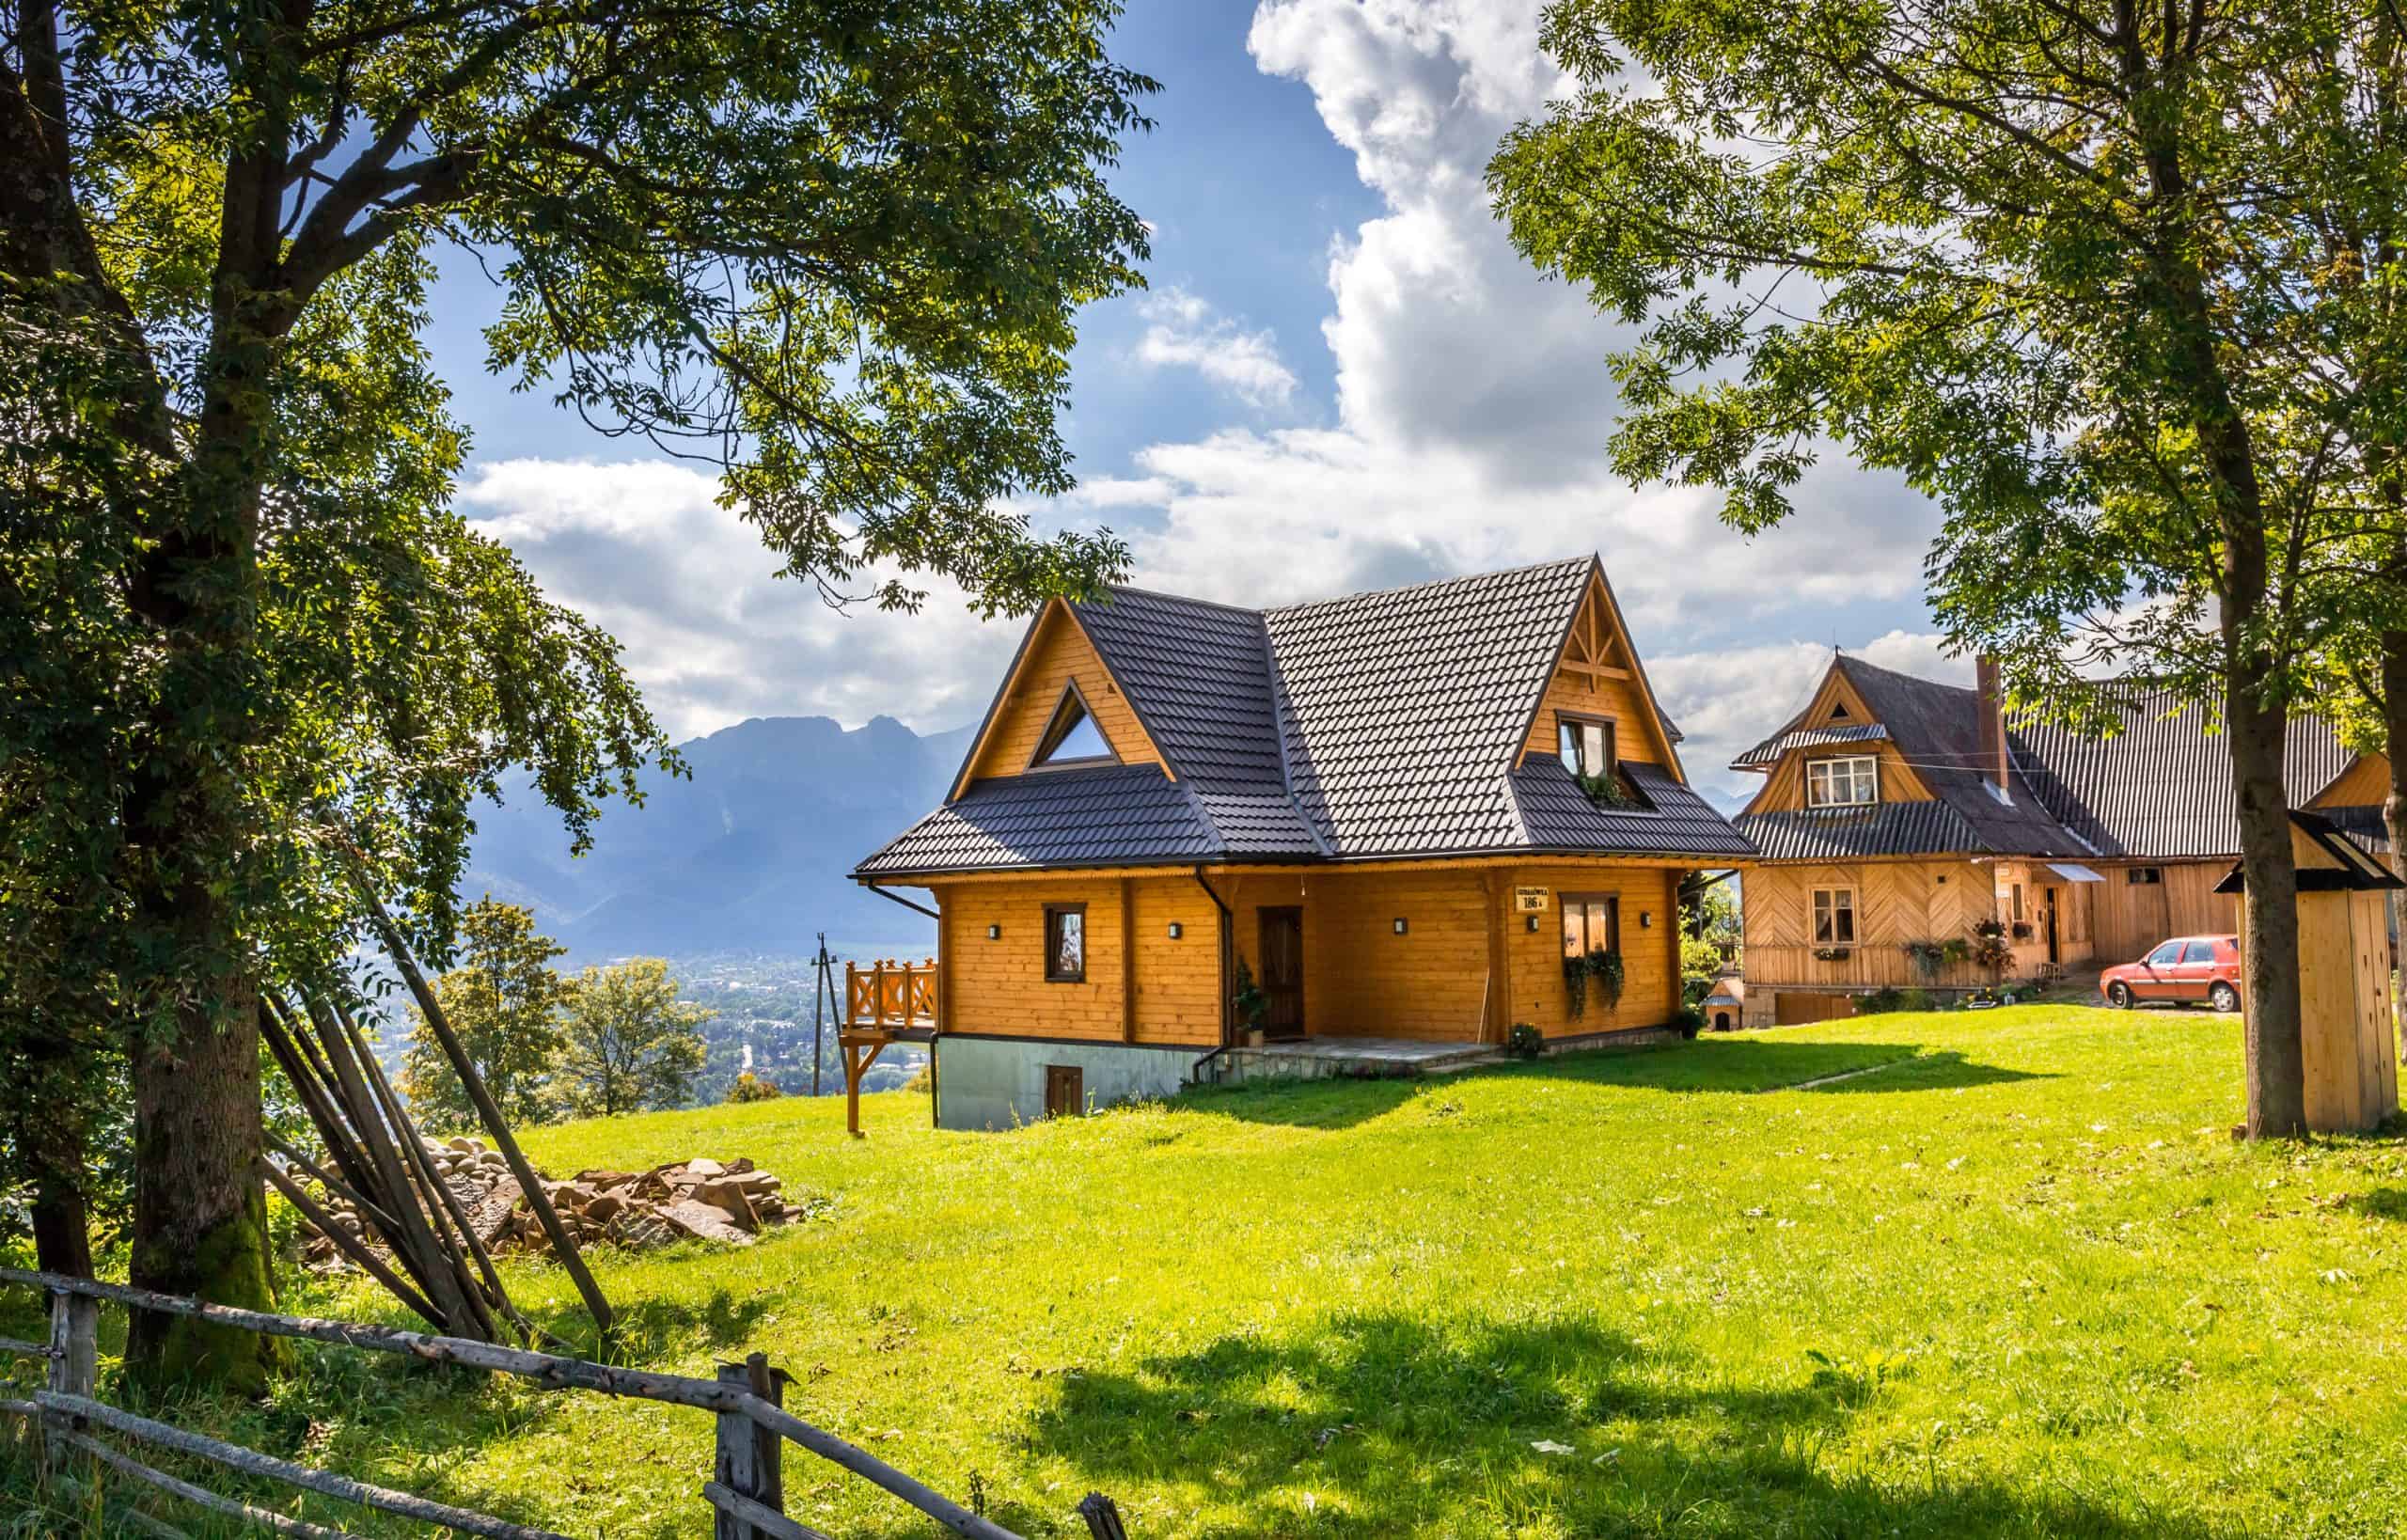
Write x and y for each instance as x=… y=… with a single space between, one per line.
x=563 y=1244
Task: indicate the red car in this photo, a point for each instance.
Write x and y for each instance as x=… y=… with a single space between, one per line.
x=2187 y=967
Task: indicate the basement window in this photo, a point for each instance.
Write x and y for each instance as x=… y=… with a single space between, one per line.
x=1065 y=943
x=1850 y=782
x=1071 y=738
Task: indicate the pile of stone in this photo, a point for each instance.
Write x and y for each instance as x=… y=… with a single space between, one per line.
x=700 y=1199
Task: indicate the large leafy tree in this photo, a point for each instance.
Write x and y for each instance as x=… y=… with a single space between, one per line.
x=503 y=1002
x=835 y=246
x=628 y=1042
x=2115 y=284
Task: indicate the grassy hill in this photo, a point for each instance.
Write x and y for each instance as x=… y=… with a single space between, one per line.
x=2017 y=1280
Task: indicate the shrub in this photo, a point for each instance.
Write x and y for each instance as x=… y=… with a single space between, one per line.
x=1885 y=1000
x=749 y=1087
x=1524 y=1041
x=1605 y=969
x=1687 y=1021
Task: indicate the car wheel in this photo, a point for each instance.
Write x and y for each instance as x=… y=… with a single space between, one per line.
x=2119 y=995
x=2224 y=997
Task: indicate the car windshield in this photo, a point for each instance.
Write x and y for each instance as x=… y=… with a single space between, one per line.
x=2167 y=953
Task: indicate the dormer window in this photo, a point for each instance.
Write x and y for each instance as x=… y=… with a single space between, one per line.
x=1586 y=743
x=1850 y=782
x=1071 y=738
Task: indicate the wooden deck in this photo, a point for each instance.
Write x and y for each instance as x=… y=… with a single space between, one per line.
x=885 y=1002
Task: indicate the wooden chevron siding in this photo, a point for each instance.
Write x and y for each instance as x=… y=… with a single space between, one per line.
x=1896 y=902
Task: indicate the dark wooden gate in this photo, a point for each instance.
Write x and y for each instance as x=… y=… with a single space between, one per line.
x=1282 y=971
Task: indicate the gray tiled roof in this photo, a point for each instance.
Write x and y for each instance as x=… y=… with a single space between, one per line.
x=1843 y=834
x=2161 y=785
x=1674 y=822
x=2363 y=824
x=1378 y=725
x=1116 y=815
x=1771 y=748
x=1199 y=676
x=1402 y=710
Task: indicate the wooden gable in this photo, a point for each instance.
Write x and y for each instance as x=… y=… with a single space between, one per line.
x=1836 y=704
x=1056 y=657
x=1596 y=673
x=2365 y=783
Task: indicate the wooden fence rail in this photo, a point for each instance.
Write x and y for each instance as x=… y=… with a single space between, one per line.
x=746 y=1489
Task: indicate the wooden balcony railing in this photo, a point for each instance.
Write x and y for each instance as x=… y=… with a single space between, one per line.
x=889 y=995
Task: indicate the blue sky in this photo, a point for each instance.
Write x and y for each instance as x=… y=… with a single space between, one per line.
x=1340 y=378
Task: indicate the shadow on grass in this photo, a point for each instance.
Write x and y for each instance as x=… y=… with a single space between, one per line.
x=1946 y=1071
x=1379 y=1424
x=653 y=1329
x=1337 y=1103
x=2380 y=1204
x=1714 y=1064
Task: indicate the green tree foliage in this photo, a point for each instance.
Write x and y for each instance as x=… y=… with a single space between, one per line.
x=628 y=1042
x=2117 y=285
x=835 y=246
x=504 y=1002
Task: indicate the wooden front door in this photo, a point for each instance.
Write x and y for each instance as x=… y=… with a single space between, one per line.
x=1282 y=971
x=2056 y=945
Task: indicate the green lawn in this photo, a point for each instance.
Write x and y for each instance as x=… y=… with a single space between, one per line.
x=2020 y=1280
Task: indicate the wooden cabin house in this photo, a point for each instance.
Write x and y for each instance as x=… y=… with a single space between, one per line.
x=1184 y=827
x=1900 y=816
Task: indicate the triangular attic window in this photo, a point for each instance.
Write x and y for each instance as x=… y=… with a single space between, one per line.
x=1072 y=737
x=1839 y=711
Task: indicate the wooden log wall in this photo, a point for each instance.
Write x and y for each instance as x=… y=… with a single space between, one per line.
x=999 y=985
x=2134 y=917
x=1437 y=982
x=1896 y=902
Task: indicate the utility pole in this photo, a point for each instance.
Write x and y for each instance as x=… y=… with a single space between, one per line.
x=821 y=987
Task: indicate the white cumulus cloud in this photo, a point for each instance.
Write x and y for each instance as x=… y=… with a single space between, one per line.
x=1184 y=331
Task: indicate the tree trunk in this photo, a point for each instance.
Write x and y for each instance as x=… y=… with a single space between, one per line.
x=2393 y=744
x=49 y=1129
x=2276 y=1065
x=199 y=1216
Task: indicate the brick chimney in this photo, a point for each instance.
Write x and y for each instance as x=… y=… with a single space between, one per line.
x=1993 y=708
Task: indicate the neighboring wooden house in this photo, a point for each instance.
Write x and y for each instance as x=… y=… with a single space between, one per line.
x=1898 y=814
x=1367 y=806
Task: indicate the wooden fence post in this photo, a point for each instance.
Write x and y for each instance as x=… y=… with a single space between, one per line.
x=750 y=1458
x=75 y=1365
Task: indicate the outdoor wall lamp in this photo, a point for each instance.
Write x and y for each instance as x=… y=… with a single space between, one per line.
x=1530 y=922
x=1399 y=925
x=1645 y=919
x=994 y=933
x=1176 y=930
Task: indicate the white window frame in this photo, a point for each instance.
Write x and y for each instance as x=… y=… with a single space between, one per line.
x=1856 y=776
x=1832 y=904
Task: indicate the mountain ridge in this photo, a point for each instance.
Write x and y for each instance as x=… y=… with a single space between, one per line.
x=750 y=852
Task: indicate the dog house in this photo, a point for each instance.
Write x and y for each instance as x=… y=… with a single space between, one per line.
x=1726 y=1009
x=2344 y=966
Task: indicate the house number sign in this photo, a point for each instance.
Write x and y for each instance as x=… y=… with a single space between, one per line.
x=1531 y=901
